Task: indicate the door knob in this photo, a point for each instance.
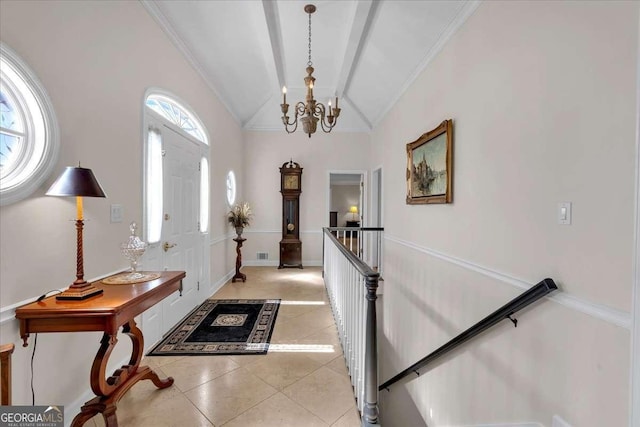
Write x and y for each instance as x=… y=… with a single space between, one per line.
x=168 y=246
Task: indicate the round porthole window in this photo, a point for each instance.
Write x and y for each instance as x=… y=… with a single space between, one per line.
x=28 y=130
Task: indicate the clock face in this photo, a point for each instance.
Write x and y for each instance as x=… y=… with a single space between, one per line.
x=291 y=182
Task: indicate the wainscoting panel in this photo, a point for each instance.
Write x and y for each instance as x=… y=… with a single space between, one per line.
x=267 y=241
x=529 y=372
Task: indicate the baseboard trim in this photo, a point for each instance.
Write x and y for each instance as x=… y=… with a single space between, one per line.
x=611 y=315
x=220 y=282
x=260 y=263
x=498 y=425
x=275 y=263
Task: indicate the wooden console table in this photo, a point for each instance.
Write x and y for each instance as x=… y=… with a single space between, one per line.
x=115 y=307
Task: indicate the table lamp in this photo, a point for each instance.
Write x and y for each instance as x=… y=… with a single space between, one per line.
x=354 y=211
x=79 y=182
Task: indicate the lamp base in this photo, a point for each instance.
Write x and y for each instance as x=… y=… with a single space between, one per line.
x=79 y=294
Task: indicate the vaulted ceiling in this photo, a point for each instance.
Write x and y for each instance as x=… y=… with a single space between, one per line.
x=365 y=52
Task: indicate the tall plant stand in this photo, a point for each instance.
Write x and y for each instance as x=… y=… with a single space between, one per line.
x=239 y=276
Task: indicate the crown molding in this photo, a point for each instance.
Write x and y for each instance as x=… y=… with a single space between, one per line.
x=164 y=23
x=465 y=12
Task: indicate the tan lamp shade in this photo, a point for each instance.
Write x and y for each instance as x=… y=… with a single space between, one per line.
x=353 y=210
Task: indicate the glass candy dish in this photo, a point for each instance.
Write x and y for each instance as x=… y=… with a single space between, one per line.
x=132 y=251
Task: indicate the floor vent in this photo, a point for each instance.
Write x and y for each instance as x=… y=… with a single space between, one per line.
x=262 y=255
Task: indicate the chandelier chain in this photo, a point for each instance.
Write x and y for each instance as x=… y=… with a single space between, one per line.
x=309 y=63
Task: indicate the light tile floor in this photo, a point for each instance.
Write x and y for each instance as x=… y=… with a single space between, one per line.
x=302 y=381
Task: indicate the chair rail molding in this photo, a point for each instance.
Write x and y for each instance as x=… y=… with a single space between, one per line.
x=246 y=231
x=8 y=312
x=611 y=315
x=218 y=239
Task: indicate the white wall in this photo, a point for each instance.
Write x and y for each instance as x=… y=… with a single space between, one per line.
x=265 y=152
x=542 y=98
x=542 y=95
x=95 y=59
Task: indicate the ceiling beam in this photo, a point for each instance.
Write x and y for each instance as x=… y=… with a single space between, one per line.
x=275 y=37
x=273 y=57
x=365 y=10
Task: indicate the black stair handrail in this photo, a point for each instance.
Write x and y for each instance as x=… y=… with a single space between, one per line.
x=355 y=228
x=505 y=312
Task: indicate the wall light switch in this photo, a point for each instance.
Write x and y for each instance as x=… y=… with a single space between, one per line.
x=564 y=213
x=116 y=213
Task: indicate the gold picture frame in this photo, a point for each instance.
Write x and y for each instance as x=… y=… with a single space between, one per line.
x=430 y=166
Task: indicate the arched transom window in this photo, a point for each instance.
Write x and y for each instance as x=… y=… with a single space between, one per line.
x=177 y=114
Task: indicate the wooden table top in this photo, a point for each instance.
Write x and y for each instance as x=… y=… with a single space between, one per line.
x=105 y=312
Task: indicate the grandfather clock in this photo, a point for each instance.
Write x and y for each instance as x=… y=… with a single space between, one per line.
x=290 y=187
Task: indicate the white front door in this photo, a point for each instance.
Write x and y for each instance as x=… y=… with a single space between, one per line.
x=180 y=243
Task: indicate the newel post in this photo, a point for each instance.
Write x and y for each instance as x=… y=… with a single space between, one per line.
x=370 y=408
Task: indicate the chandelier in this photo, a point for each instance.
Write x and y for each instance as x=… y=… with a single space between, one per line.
x=310 y=111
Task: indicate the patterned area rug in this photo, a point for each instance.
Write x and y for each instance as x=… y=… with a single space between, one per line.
x=222 y=327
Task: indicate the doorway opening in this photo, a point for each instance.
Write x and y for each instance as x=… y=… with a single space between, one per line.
x=346 y=198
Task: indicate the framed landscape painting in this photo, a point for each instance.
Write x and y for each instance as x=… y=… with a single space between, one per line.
x=429 y=166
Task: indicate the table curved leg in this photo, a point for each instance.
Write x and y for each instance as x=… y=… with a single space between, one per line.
x=100 y=385
x=84 y=416
x=110 y=390
x=137 y=341
x=97 y=406
x=157 y=381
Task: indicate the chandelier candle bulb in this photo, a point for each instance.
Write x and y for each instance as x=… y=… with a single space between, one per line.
x=284 y=94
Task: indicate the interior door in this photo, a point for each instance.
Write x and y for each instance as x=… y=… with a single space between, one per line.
x=180 y=234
